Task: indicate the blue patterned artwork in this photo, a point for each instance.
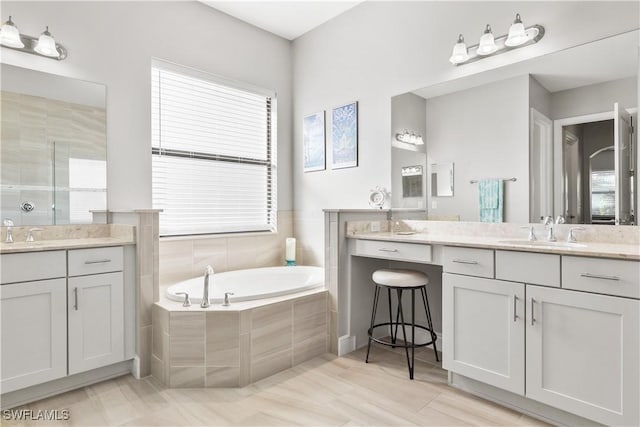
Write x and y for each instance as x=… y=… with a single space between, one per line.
x=345 y=136
x=313 y=142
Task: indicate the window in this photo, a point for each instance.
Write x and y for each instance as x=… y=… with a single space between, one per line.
x=213 y=153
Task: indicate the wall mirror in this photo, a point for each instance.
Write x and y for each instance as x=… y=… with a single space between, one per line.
x=53 y=148
x=556 y=130
x=441 y=180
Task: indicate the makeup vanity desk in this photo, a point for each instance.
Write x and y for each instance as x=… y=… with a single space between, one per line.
x=565 y=317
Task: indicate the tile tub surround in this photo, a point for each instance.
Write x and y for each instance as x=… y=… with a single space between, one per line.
x=239 y=345
x=185 y=257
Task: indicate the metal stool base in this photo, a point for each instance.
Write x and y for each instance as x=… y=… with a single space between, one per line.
x=400 y=322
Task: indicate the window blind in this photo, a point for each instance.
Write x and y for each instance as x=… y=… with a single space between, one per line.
x=213 y=157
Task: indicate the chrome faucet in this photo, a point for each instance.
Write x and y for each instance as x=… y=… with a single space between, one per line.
x=30 y=234
x=208 y=272
x=571 y=238
x=548 y=222
x=532 y=235
x=8 y=223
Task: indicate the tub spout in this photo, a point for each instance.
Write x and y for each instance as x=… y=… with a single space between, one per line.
x=208 y=273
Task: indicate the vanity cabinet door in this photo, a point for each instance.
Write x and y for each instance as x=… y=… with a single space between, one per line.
x=96 y=321
x=583 y=354
x=34 y=333
x=484 y=324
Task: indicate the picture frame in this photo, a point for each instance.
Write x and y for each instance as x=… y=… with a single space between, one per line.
x=314 y=142
x=344 y=136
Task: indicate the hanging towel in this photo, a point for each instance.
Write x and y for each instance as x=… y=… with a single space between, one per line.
x=490 y=192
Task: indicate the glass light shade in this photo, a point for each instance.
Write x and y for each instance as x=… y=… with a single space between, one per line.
x=487 y=43
x=10 y=36
x=459 y=53
x=517 y=34
x=47 y=45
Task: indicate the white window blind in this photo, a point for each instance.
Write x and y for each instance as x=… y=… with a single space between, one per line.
x=213 y=155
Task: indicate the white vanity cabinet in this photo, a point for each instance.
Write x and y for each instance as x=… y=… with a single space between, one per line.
x=583 y=354
x=95 y=308
x=33 y=306
x=484 y=325
x=576 y=349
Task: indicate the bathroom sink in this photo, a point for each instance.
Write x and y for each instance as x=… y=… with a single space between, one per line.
x=524 y=242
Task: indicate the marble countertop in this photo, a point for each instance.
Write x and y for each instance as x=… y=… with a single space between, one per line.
x=51 y=245
x=591 y=249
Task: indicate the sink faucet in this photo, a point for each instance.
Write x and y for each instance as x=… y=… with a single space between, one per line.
x=8 y=223
x=208 y=272
x=30 y=234
x=548 y=222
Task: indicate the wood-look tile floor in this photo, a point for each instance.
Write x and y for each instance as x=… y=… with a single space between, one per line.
x=325 y=391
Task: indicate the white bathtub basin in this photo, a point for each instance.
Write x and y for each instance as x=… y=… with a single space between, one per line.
x=251 y=284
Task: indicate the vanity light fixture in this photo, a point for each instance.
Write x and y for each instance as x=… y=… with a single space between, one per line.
x=518 y=36
x=10 y=36
x=45 y=45
x=410 y=138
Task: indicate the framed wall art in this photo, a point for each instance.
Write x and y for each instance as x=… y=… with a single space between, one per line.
x=344 y=136
x=313 y=137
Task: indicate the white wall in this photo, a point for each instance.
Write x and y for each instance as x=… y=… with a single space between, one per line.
x=113 y=42
x=380 y=49
x=484 y=131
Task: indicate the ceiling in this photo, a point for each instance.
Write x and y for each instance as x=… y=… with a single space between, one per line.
x=288 y=19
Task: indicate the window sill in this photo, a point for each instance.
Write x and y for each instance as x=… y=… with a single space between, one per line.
x=218 y=236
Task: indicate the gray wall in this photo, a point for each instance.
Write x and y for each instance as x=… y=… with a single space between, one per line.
x=596 y=98
x=113 y=42
x=380 y=49
x=485 y=132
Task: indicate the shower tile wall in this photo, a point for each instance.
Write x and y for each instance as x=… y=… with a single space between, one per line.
x=182 y=259
x=30 y=126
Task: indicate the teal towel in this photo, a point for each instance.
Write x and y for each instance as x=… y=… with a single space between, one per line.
x=490 y=192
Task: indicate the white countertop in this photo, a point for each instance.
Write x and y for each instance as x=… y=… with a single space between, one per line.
x=591 y=249
x=52 y=245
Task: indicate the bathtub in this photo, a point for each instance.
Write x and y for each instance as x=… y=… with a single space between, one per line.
x=251 y=284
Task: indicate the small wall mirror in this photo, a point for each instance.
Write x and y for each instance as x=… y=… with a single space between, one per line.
x=54 y=148
x=411 y=181
x=442 y=180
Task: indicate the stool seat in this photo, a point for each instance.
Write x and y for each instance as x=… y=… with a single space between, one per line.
x=397 y=278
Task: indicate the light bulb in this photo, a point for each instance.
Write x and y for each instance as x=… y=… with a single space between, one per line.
x=10 y=36
x=47 y=45
x=459 y=53
x=487 y=44
x=517 y=34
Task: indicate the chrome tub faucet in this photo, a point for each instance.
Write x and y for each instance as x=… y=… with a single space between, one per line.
x=208 y=274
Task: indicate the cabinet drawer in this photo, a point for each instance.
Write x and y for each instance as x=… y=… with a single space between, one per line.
x=603 y=276
x=30 y=266
x=528 y=267
x=400 y=251
x=96 y=260
x=472 y=262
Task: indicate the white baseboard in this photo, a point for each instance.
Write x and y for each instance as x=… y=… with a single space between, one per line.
x=135 y=367
x=346 y=344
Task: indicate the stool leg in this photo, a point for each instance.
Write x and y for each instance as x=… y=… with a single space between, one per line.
x=404 y=333
x=413 y=329
x=393 y=337
x=376 y=294
x=434 y=337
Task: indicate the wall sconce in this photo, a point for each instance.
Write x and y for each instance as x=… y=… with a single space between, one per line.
x=45 y=45
x=409 y=138
x=518 y=36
